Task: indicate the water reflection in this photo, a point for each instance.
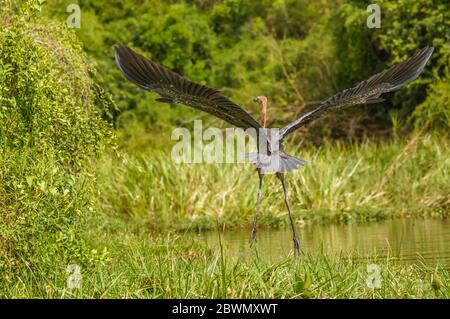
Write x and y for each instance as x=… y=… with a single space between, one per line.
x=409 y=240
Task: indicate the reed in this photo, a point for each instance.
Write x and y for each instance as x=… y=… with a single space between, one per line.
x=341 y=182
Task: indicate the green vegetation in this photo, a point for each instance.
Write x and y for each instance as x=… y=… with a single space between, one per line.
x=341 y=182
x=49 y=133
x=281 y=49
x=169 y=266
x=85 y=170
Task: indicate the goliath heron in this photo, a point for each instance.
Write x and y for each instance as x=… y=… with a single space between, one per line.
x=174 y=88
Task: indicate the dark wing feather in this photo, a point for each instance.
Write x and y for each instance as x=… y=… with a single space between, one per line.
x=173 y=88
x=368 y=91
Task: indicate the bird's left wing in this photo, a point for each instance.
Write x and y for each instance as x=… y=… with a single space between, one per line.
x=173 y=88
x=367 y=91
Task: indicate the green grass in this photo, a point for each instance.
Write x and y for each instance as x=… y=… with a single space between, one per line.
x=145 y=265
x=341 y=182
x=133 y=244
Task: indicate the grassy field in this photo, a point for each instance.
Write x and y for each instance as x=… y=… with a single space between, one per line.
x=136 y=246
x=341 y=182
x=140 y=264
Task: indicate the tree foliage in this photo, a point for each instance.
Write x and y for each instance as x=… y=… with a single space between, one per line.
x=295 y=52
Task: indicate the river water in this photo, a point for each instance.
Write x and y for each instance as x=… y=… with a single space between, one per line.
x=407 y=240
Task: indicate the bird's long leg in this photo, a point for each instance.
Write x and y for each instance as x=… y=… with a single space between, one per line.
x=253 y=234
x=286 y=200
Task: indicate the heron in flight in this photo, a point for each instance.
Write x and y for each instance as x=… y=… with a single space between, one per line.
x=174 y=88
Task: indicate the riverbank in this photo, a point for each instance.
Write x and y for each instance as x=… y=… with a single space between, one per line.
x=141 y=264
x=132 y=243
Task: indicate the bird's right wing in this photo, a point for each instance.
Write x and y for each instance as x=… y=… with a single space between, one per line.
x=173 y=88
x=367 y=91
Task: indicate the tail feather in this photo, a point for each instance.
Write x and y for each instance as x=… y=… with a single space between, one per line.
x=274 y=163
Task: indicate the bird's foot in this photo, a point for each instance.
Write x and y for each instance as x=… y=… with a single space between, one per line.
x=296 y=246
x=252 y=236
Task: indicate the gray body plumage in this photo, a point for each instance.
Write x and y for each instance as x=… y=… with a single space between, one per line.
x=279 y=162
x=271 y=157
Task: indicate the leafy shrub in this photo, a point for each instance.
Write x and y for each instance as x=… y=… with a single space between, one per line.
x=50 y=130
x=434 y=112
x=406 y=27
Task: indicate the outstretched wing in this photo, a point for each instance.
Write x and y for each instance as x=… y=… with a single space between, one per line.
x=173 y=88
x=368 y=91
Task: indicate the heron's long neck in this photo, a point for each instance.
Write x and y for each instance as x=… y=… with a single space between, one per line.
x=263 y=113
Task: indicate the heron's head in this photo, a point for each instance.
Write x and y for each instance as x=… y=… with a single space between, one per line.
x=262 y=101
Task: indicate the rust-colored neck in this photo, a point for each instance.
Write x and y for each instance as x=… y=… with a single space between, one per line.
x=263 y=107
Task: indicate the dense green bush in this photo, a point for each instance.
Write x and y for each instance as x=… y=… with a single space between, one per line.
x=49 y=132
x=295 y=52
x=434 y=112
x=410 y=25
x=406 y=27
